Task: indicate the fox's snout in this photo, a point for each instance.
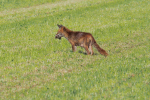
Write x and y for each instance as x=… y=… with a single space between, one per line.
x=57 y=37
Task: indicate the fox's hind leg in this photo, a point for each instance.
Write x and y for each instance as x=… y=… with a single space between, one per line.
x=87 y=50
x=91 y=49
x=90 y=46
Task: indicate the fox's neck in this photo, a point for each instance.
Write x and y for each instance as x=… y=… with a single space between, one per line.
x=67 y=33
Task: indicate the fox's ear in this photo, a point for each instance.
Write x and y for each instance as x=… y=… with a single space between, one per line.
x=64 y=28
x=59 y=26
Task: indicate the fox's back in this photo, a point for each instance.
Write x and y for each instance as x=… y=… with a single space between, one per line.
x=79 y=35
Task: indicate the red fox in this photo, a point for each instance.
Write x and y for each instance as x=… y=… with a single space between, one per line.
x=83 y=39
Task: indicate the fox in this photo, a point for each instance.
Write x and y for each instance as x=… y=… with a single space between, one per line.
x=82 y=39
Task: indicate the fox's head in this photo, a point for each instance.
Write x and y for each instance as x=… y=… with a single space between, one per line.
x=60 y=32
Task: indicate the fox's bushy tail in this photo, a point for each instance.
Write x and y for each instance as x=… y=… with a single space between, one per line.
x=100 y=50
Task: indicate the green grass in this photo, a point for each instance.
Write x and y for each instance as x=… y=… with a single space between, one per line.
x=35 y=65
x=14 y=4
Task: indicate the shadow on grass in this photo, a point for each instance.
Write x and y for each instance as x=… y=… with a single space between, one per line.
x=86 y=53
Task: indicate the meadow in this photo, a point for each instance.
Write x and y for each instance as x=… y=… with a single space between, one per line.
x=35 y=65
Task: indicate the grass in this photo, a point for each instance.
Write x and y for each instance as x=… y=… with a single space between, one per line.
x=34 y=65
x=14 y=4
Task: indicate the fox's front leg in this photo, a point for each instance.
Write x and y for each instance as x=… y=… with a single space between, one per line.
x=73 y=48
x=73 y=45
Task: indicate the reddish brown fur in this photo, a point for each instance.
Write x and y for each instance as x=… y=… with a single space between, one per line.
x=83 y=39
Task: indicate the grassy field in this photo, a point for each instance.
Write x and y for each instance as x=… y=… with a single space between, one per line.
x=35 y=65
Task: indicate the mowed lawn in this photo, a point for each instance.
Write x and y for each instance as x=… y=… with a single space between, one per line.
x=35 y=65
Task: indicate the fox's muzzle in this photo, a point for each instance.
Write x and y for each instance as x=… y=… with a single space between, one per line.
x=57 y=37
